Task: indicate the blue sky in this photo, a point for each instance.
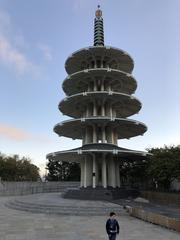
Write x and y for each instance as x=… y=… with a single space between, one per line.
x=36 y=37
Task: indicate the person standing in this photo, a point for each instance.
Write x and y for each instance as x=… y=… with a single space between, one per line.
x=112 y=226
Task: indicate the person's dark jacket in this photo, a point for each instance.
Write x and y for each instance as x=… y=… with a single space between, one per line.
x=112 y=226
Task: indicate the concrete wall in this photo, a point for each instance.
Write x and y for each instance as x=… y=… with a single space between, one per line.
x=162 y=198
x=156 y=218
x=24 y=188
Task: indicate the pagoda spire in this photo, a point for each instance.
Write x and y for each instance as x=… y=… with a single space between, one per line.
x=98 y=28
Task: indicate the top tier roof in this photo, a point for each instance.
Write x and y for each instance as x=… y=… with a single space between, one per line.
x=98 y=56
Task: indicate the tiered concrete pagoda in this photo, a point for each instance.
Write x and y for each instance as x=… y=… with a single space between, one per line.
x=99 y=89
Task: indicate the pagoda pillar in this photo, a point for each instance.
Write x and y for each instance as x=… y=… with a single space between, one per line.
x=118 y=184
x=87 y=171
x=82 y=173
x=94 y=173
x=104 y=171
x=111 y=172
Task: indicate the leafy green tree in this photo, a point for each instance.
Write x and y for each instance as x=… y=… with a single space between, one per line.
x=14 y=168
x=133 y=173
x=74 y=172
x=62 y=171
x=164 y=166
x=157 y=172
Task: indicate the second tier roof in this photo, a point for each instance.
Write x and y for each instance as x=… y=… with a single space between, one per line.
x=119 y=81
x=125 y=128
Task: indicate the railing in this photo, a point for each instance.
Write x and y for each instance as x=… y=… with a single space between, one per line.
x=25 y=188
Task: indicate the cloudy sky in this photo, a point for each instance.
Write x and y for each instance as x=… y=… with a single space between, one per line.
x=36 y=37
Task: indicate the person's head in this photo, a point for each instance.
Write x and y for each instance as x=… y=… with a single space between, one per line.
x=112 y=215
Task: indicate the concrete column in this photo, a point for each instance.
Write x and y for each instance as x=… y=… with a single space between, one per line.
x=103 y=109
x=95 y=85
x=103 y=134
x=101 y=63
x=104 y=172
x=94 y=173
x=82 y=173
x=94 y=109
x=88 y=171
x=89 y=87
x=113 y=112
x=102 y=85
x=109 y=88
x=95 y=137
x=87 y=111
x=85 y=172
x=111 y=172
x=97 y=171
x=88 y=134
x=108 y=110
x=115 y=136
x=84 y=137
x=83 y=114
x=118 y=184
x=99 y=85
x=109 y=135
x=95 y=64
x=112 y=136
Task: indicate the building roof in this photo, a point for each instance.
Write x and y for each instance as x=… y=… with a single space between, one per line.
x=82 y=59
x=77 y=154
x=124 y=104
x=120 y=81
x=125 y=128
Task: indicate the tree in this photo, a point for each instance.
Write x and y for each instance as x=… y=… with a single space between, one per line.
x=157 y=172
x=133 y=173
x=14 y=168
x=164 y=166
x=62 y=171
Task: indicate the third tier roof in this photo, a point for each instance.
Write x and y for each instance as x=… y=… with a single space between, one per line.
x=82 y=104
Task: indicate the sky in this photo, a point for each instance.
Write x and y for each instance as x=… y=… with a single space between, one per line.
x=36 y=37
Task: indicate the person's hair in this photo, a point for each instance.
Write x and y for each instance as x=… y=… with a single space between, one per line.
x=112 y=214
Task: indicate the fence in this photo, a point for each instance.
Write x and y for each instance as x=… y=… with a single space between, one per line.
x=25 y=188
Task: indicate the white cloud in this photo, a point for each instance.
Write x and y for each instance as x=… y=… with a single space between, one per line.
x=18 y=134
x=47 y=51
x=10 y=55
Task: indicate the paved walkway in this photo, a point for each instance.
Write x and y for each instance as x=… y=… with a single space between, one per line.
x=19 y=225
x=169 y=211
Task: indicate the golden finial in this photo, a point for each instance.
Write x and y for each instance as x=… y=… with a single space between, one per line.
x=98 y=12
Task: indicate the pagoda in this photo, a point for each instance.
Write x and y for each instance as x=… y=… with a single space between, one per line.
x=99 y=99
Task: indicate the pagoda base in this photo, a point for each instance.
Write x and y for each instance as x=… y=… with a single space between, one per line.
x=100 y=193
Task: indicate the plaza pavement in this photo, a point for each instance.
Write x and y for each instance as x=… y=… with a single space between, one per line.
x=20 y=225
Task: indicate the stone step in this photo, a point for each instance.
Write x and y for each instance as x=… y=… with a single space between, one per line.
x=66 y=208
x=63 y=210
x=20 y=203
x=100 y=194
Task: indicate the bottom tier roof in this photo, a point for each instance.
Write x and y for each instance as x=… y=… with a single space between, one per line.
x=77 y=154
